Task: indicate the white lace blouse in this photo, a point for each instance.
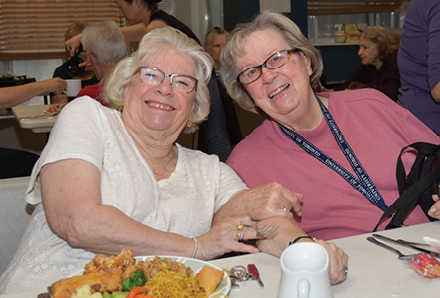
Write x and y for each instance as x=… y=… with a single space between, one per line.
x=184 y=203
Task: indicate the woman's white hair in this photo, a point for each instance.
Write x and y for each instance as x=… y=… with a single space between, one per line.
x=152 y=44
x=233 y=48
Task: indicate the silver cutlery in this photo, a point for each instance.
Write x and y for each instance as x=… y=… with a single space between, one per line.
x=401 y=255
x=268 y=229
x=408 y=244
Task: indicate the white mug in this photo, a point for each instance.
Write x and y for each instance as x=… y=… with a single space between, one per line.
x=73 y=87
x=304 y=272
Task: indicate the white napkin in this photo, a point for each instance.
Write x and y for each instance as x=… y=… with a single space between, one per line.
x=434 y=243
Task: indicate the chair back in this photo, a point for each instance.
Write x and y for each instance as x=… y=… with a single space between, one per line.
x=14 y=216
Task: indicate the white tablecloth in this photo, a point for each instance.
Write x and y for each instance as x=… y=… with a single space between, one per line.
x=374 y=272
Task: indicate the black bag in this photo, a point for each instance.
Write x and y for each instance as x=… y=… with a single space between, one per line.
x=416 y=188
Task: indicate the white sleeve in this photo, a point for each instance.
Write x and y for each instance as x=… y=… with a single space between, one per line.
x=230 y=184
x=76 y=135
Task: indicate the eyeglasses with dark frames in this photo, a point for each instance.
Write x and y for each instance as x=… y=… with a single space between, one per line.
x=277 y=60
x=179 y=82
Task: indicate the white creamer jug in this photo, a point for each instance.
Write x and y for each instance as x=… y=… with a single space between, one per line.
x=304 y=272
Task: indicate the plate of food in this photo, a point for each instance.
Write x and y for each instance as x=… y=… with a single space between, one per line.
x=164 y=276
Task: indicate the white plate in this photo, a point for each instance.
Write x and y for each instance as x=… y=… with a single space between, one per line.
x=434 y=243
x=196 y=265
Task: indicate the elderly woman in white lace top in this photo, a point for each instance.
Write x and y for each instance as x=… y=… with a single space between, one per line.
x=114 y=178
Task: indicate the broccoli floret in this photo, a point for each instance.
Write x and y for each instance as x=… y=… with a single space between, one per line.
x=137 y=279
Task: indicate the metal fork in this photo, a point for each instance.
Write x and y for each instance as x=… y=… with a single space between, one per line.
x=268 y=229
x=401 y=255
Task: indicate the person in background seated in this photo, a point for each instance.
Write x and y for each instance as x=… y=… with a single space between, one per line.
x=419 y=60
x=221 y=131
x=338 y=149
x=115 y=178
x=18 y=163
x=214 y=41
x=378 y=69
x=61 y=71
x=105 y=46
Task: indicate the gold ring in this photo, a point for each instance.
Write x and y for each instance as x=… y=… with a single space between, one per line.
x=240 y=226
x=239 y=235
x=285 y=208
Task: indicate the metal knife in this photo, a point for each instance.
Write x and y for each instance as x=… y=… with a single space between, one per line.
x=255 y=274
x=405 y=243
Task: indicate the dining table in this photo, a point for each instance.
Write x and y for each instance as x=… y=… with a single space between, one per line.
x=35 y=118
x=372 y=270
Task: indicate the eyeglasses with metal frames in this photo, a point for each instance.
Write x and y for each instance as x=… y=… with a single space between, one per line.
x=277 y=60
x=179 y=82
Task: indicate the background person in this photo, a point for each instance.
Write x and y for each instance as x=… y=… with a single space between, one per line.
x=214 y=41
x=378 y=68
x=269 y=67
x=18 y=163
x=61 y=71
x=146 y=16
x=114 y=178
x=105 y=46
x=419 y=60
x=221 y=131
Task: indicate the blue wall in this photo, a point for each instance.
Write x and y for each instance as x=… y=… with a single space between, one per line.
x=339 y=61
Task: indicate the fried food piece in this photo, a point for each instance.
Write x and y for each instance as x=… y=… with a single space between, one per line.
x=209 y=278
x=152 y=267
x=98 y=281
x=101 y=264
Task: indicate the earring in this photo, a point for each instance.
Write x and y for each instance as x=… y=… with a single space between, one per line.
x=121 y=108
x=189 y=124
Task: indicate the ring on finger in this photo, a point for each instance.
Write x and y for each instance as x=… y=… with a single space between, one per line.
x=344 y=270
x=284 y=208
x=240 y=226
x=239 y=235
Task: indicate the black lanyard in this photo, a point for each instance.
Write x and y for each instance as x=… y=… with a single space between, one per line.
x=362 y=182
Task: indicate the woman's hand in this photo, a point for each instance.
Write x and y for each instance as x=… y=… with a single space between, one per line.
x=288 y=231
x=434 y=211
x=72 y=44
x=338 y=262
x=222 y=238
x=268 y=200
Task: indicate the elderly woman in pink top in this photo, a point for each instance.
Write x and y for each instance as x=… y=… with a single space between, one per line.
x=338 y=149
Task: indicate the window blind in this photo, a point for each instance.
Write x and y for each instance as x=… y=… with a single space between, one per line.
x=332 y=7
x=34 y=29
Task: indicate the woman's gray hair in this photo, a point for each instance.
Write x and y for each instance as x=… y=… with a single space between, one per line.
x=151 y=45
x=234 y=48
x=105 y=41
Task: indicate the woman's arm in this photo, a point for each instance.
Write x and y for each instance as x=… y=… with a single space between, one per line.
x=133 y=33
x=12 y=96
x=72 y=202
x=288 y=231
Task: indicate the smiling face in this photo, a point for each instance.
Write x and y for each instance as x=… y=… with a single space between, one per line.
x=215 y=47
x=369 y=53
x=159 y=109
x=283 y=93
